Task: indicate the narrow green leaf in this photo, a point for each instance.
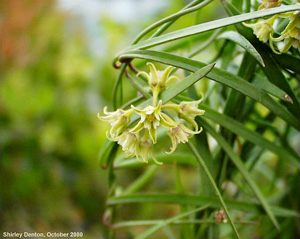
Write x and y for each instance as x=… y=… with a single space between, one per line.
x=250 y=135
x=116 y=103
x=220 y=76
x=270 y=88
x=193 y=200
x=180 y=158
x=185 y=83
x=242 y=169
x=189 y=31
x=243 y=42
x=212 y=181
x=173 y=17
x=136 y=223
x=272 y=69
x=186 y=232
x=136 y=83
x=163 y=223
x=142 y=180
x=289 y=62
x=205 y=44
x=104 y=153
x=168 y=24
x=182 y=85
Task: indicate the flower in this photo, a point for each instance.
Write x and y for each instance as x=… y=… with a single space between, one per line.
x=137 y=140
x=158 y=80
x=136 y=147
x=117 y=119
x=187 y=110
x=151 y=118
x=180 y=134
x=146 y=149
x=263 y=29
x=130 y=143
x=290 y=35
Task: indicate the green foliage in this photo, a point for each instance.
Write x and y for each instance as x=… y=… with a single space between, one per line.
x=249 y=143
x=244 y=163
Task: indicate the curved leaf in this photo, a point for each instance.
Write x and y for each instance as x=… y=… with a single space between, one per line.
x=272 y=69
x=242 y=169
x=220 y=76
x=193 y=200
x=243 y=42
x=212 y=181
x=180 y=158
x=189 y=31
x=270 y=88
x=250 y=135
x=168 y=221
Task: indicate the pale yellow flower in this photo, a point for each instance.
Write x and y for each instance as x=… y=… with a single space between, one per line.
x=158 y=80
x=291 y=34
x=118 y=119
x=180 y=134
x=187 y=110
x=146 y=149
x=130 y=143
x=138 y=140
x=151 y=118
x=263 y=29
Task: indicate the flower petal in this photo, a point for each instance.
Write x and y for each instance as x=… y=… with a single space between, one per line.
x=152 y=133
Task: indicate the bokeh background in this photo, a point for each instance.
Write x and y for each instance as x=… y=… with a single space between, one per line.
x=56 y=75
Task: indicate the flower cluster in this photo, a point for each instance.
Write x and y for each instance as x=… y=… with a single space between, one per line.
x=138 y=138
x=264 y=29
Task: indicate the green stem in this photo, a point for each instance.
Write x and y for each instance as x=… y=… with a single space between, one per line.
x=155 y=91
x=116 y=86
x=168 y=24
x=206 y=44
x=179 y=222
x=141 y=181
x=170 y=18
x=203 y=165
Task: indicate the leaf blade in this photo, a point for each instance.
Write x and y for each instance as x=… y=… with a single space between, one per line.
x=193 y=200
x=220 y=76
x=242 y=169
x=209 y=26
x=168 y=221
x=243 y=42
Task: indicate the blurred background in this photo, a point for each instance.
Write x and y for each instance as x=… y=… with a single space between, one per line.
x=56 y=75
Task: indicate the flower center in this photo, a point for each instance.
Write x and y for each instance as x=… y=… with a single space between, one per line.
x=150 y=118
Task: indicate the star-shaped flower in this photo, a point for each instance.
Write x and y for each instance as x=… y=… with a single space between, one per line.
x=180 y=134
x=263 y=29
x=151 y=118
x=291 y=33
x=118 y=119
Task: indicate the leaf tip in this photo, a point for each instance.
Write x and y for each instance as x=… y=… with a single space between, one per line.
x=288 y=98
